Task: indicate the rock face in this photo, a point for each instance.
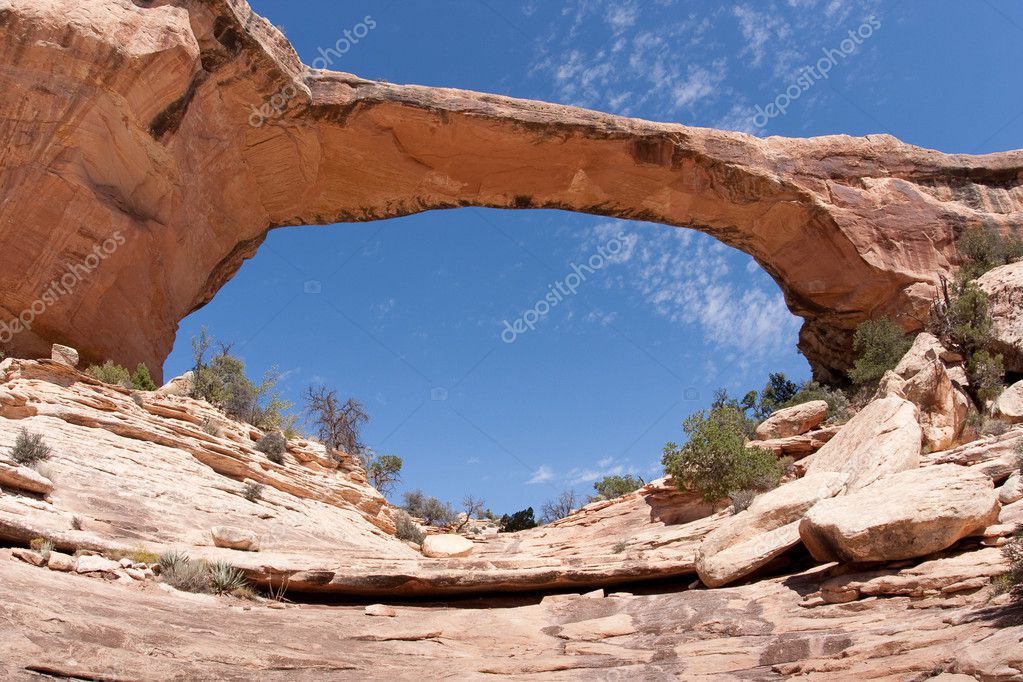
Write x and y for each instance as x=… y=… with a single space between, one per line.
x=17 y=477
x=1009 y=405
x=922 y=378
x=901 y=516
x=1004 y=287
x=446 y=546
x=793 y=421
x=883 y=438
x=175 y=135
x=765 y=530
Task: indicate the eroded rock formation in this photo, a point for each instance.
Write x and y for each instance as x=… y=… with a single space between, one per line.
x=136 y=177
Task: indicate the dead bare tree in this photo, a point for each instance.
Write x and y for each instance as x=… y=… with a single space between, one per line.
x=338 y=424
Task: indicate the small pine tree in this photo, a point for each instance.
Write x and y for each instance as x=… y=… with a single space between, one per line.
x=880 y=345
x=110 y=373
x=142 y=380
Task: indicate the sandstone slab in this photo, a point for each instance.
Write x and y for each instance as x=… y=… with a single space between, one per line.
x=1012 y=490
x=901 y=516
x=883 y=438
x=17 y=477
x=95 y=564
x=765 y=530
x=793 y=421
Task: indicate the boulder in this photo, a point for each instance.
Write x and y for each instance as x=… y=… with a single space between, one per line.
x=95 y=564
x=29 y=556
x=883 y=438
x=13 y=476
x=381 y=610
x=901 y=516
x=235 y=538
x=1004 y=287
x=1009 y=405
x=923 y=378
x=768 y=528
x=65 y=355
x=798 y=446
x=180 y=385
x=58 y=561
x=1012 y=490
x=447 y=546
x=793 y=421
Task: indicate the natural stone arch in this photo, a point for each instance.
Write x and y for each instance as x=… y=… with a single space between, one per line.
x=145 y=132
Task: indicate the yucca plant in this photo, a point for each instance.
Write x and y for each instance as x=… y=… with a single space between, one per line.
x=225 y=579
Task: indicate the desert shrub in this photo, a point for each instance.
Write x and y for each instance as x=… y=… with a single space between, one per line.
x=29 y=448
x=715 y=459
x=961 y=316
x=110 y=373
x=741 y=499
x=41 y=545
x=141 y=379
x=383 y=471
x=406 y=529
x=611 y=487
x=982 y=249
x=432 y=511
x=560 y=507
x=273 y=445
x=992 y=426
x=879 y=345
x=136 y=398
x=986 y=372
x=1012 y=580
x=223 y=382
x=141 y=555
x=225 y=579
x=619 y=547
x=210 y=428
x=837 y=400
x=520 y=520
x=253 y=492
x=187 y=576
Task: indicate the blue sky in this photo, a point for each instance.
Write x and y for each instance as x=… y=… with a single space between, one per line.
x=407 y=314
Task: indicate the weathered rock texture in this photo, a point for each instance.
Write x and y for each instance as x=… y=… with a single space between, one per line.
x=883 y=438
x=902 y=516
x=132 y=176
x=1004 y=287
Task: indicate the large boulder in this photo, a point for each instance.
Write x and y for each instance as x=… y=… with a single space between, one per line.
x=883 y=438
x=923 y=378
x=13 y=476
x=902 y=516
x=1009 y=405
x=65 y=355
x=1004 y=287
x=179 y=385
x=447 y=546
x=793 y=421
x=768 y=528
x=235 y=538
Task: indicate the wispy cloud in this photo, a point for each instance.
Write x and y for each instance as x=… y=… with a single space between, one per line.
x=691 y=278
x=543 y=474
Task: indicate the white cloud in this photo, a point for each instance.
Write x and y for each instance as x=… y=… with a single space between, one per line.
x=543 y=474
x=473 y=460
x=688 y=278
